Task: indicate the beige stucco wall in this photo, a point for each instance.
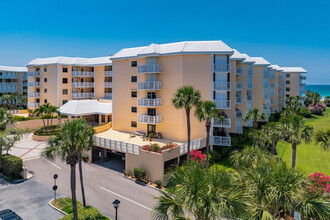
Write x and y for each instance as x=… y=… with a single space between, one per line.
x=257 y=91
x=294 y=84
x=33 y=124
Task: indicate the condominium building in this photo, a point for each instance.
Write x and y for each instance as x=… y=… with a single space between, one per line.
x=57 y=80
x=294 y=81
x=13 y=80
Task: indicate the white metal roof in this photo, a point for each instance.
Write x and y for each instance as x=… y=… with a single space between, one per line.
x=276 y=68
x=247 y=59
x=260 y=61
x=13 y=69
x=186 y=47
x=293 y=70
x=72 y=61
x=86 y=107
x=237 y=56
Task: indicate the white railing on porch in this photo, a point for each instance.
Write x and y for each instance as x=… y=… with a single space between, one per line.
x=117 y=145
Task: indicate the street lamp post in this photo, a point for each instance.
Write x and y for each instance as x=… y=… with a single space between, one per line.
x=116 y=206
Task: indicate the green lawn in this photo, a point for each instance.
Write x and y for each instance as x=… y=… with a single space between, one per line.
x=310 y=157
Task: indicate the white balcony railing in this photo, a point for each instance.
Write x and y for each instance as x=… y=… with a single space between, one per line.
x=82 y=74
x=33 y=84
x=107 y=73
x=82 y=95
x=34 y=73
x=222 y=124
x=107 y=84
x=33 y=105
x=8 y=76
x=221 y=140
x=239 y=86
x=149 y=119
x=34 y=94
x=83 y=84
x=117 y=145
x=150 y=68
x=302 y=77
x=239 y=129
x=239 y=71
x=108 y=95
x=239 y=99
x=302 y=84
x=222 y=104
x=221 y=67
x=145 y=102
x=222 y=86
x=150 y=85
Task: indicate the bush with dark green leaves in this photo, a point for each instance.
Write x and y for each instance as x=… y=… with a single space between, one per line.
x=47 y=131
x=158 y=183
x=139 y=174
x=11 y=166
x=21 y=118
x=87 y=213
x=305 y=113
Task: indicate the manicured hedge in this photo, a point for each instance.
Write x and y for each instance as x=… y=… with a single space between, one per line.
x=47 y=131
x=11 y=166
x=139 y=174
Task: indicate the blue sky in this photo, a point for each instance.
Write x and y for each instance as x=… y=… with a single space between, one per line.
x=287 y=33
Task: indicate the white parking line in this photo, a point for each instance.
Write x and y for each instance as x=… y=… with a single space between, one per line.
x=51 y=163
x=126 y=198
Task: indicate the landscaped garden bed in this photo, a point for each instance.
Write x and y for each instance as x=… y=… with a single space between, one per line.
x=11 y=168
x=157 y=148
x=139 y=175
x=65 y=205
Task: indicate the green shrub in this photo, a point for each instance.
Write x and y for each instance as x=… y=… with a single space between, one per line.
x=21 y=118
x=11 y=166
x=158 y=183
x=305 y=113
x=47 y=131
x=127 y=173
x=139 y=174
x=88 y=213
x=84 y=157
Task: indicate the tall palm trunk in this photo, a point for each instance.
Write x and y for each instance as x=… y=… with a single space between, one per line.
x=73 y=191
x=188 y=130
x=294 y=153
x=208 y=127
x=254 y=132
x=273 y=147
x=81 y=180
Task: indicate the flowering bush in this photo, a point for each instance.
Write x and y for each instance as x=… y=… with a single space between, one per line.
x=319 y=184
x=156 y=148
x=317 y=109
x=197 y=156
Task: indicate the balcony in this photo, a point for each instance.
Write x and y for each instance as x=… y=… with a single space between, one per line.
x=34 y=73
x=221 y=68
x=239 y=99
x=223 y=140
x=145 y=102
x=239 y=71
x=5 y=89
x=8 y=76
x=150 y=68
x=108 y=95
x=249 y=123
x=302 y=77
x=221 y=124
x=83 y=84
x=82 y=95
x=82 y=74
x=249 y=97
x=266 y=75
x=33 y=84
x=280 y=93
x=222 y=104
x=34 y=94
x=226 y=86
x=302 y=84
x=149 y=119
x=33 y=105
x=249 y=85
x=249 y=73
x=107 y=73
x=239 y=86
x=107 y=84
x=150 y=85
x=239 y=114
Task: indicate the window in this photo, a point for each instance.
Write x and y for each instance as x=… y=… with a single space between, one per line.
x=133 y=124
x=45 y=69
x=134 y=79
x=45 y=80
x=280 y=77
x=287 y=82
x=134 y=109
x=280 y=101
x=64 y=101
x=45 y=90
x=287 y=75
x=64 y=91
x=134 y=64
x=134 y=94
x=280 y=85
x=272 y=102
x=287 y=89
x=65 y=69
x=65 y=80
x=45 y=101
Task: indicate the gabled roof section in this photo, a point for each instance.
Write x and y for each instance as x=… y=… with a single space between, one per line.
x=293 y=70
x=13 y=69
x=237 y=56
x=260 y=61
x=247 y=59
x=86 y=107
x=71 y=61
x=186 y=47
x=276 y=68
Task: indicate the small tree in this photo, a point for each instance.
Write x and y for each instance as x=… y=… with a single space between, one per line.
x=327 y=101
x=322 y=137
x=10 y=136
x=255 y=115
x=5 y=119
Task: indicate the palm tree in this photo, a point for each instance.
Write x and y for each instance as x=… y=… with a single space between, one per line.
x=205 y=111
x=316 y=98
x=255 y=115
x=187 y=97
x=293 y=104
x=5 y=119
x=40 y=112
x=199 y=193
x=295 y=132
x=13 y=97
x=275 y=134
x=5 y=98
x=322 y=137
x=21 y=100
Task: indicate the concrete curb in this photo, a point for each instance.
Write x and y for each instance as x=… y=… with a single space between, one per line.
x=13 y=182
x=59 y=210
x=144 y=184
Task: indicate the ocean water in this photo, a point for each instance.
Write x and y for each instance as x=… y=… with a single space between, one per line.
x=324 y=90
